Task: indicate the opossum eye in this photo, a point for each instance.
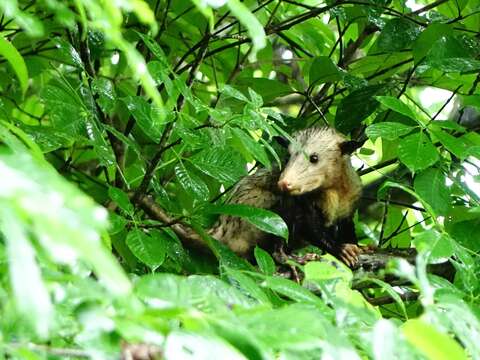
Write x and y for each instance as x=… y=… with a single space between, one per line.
x=313 y=158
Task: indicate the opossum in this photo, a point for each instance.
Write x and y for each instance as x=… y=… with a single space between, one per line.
x=315 y=194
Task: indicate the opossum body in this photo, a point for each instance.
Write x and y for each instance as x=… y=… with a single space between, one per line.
x=315 y=194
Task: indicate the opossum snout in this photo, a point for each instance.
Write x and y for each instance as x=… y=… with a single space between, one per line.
x=284 y=185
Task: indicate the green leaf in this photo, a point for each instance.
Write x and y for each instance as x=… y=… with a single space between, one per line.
x=430 y=342
x=150 y=249
x=247 y=284
x=438 y=245
x=121 y=199
x=222 y=164
x=324 y=70
x=251 y=23
x=457 y=146
x=105 y=91
x=387 y=130
x=430 y=185
x=230 y=91
x=391 y=184
x=263 y=219
x=10 y=53
x=417 y=152
x=31 y=295
x=427 y=38
x=450 y=54
x=397 y=34
x=268 y=89
x=65 y=109
x=264 y=261
x=255 y=99
x=156 y=50
x=466 y=233
x=191 y=183
x=396 y=105
x=184 y=345
x=69 y=227
x=324 y=271
x=253 y=147
x=292 y=290
x=146 y=115
x=355 y=107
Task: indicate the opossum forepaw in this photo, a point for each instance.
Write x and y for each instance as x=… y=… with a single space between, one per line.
x=349 y=254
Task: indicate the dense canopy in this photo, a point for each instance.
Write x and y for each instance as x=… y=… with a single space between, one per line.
x=116 y=114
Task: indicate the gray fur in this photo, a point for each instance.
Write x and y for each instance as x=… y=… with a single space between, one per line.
x=332 y=183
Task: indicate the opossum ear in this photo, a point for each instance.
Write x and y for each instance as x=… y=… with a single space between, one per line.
x=282 y=141
x=348 y=147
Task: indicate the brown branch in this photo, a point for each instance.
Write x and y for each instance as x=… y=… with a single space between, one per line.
x=377 y=167
x=53 y=351
x=387 y=299
x=428 y=7
x=156 y=212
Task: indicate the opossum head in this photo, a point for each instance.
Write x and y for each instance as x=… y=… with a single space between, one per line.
x=319 y=160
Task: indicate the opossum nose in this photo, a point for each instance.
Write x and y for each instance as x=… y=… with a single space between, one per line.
x=284 y=185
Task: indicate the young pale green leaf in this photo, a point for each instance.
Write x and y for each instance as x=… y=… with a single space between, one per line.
x=191 y=183
x=430 y=186
x=438 y=245
x=251 y=23
x=397 y=105
x=430 y=342
x=387 y=130
x=31 y=295
x=69 y=227
x=324 y=271
x=121 y=199
x=190 y=346
x=417 y=152
x=324 y=70
x=10 y=53
x=356 y=106
x=149 y=249
x=263 y=219
x=295 y=326
x=24 y=19
x=264 y=261
x=293 y=291
x=16 y=139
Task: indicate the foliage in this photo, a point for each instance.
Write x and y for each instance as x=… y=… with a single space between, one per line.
x=104 y=102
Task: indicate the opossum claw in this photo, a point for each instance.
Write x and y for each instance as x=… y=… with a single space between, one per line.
x=349 y=254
